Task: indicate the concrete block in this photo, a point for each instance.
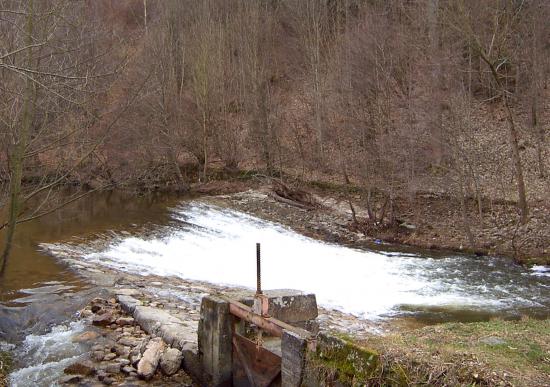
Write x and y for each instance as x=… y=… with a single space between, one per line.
x=128 y=303
x=214 y=336
x=339 y=362
x=293 y=358
x=290 y=306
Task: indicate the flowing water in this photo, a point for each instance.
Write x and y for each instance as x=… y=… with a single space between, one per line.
x=193 y=240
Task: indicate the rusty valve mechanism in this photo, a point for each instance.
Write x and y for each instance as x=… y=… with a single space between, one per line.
x=261 y=301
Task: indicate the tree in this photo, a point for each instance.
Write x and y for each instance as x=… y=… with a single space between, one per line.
x=50 y=66
x=499 y=60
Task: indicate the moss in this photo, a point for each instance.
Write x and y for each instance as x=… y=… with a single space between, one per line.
x=340 y=359
x=6 y=363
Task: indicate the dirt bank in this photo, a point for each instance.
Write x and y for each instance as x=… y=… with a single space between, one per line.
x=426 y=221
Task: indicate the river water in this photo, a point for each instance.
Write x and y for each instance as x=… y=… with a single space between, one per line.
x=166 y=235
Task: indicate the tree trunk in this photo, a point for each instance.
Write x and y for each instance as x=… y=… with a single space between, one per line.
x=21 y=140
x=464 y=213
x=539 y=132
x=522 y=204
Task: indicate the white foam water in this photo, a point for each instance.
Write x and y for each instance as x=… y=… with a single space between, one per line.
x=217 y=245
x=44 y=357
x=541 y=271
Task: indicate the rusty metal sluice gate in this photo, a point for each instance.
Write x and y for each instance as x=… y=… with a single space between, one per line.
x=258 y=341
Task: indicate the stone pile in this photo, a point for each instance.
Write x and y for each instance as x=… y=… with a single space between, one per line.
x=121 y=353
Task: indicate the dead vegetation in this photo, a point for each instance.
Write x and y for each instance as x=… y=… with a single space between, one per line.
x=493 y=353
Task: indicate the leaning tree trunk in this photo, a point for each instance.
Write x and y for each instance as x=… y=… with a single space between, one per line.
x=514 y=143
x=522 y=204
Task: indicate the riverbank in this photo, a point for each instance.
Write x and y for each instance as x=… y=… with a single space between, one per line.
x=426 y=221
x=494 y=353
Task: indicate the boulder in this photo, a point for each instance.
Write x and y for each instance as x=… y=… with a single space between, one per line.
x=150 y=359
x=170 y=361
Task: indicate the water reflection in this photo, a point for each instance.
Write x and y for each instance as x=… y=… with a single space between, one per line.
x=37 y=290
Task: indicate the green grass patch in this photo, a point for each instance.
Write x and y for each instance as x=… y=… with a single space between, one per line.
x=481 y=353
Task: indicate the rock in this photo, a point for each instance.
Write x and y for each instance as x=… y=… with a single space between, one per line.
x=111 y=368
x=86 y=336
x=101 y=374
x=109 y=356
x=103 y=320
x=134 y=359
x=129 y=341
x=123 y=362
x=71 y=379
x=98 y=355
x=149 y=362
x=85 y=368
x=493 y=340
x=127 y=292
x=170 y=361
x=85 y=313
x=108 y=380
x=122 y=351
x=96 y=308
x=128 y=303
x=128 y=369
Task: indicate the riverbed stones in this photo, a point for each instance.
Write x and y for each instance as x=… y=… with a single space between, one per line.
x=170 y=361
x=151 y=357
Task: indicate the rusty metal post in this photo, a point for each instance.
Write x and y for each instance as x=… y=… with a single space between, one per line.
x=258 y=270
x=261 y=302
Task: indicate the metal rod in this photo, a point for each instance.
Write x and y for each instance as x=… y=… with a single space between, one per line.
x=258 y=269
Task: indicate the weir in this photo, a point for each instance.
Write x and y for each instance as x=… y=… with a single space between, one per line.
x=257 y=341
x=234 y=345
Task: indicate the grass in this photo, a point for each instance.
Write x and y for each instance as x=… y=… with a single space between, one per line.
x=496 y=352
x=5 y=368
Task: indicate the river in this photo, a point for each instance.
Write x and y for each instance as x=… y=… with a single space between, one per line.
x=188 y=238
